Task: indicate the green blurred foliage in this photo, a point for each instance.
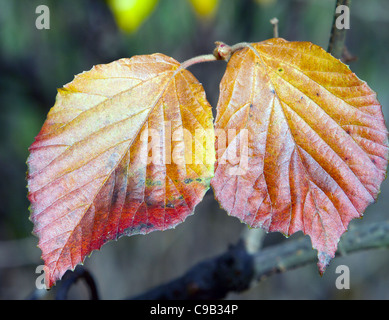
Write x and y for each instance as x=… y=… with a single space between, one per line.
x=33 y=63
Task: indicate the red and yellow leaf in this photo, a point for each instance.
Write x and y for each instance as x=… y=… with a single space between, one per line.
x=93 y=176
x=310 y=139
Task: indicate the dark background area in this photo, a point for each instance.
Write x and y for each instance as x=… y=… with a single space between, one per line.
x=33 y=63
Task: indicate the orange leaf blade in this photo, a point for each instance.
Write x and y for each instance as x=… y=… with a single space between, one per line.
x=125 y=150
x=310 y=148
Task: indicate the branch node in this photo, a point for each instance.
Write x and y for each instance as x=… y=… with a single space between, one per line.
x=222 y=51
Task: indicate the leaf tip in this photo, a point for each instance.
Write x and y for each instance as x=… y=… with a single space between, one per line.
x=324 y=261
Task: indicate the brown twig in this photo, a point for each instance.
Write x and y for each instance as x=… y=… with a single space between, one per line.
x=338 y=36
x=274 y=22
x=71 y=277
x=236 y=270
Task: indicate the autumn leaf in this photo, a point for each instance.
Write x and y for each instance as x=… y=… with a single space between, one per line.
x=128 y=148
x=301 y=142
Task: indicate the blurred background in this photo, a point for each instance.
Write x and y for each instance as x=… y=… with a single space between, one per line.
x=33 y=63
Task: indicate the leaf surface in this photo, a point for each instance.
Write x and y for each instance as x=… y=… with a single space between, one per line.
x=310 y=140
x=114 y=158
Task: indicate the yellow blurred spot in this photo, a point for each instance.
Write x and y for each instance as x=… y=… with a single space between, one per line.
x=130 y=14
x=205 y=8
